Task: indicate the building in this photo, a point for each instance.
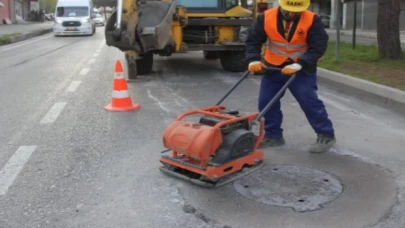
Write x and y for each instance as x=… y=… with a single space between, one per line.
x=367 y=11
x=6 y=12
x=17 y=10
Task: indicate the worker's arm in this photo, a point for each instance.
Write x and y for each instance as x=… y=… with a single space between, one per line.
x=255 y=39
x=317 y=40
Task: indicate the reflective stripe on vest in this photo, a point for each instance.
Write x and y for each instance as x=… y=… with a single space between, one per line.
x=272 y=45
x=278 y=48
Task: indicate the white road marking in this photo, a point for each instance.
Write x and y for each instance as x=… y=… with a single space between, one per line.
x=98 y=50
x=84 y=71
x=22 y=43
x=157 y=101
x=96 y=54
x=91 y=61
x=14 y=166
x=73 y=86
x=53 y=113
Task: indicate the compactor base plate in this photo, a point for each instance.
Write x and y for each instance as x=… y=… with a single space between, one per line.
x=203 y=182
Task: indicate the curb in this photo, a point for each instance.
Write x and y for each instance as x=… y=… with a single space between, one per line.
x=30 y=35
x=384 y=96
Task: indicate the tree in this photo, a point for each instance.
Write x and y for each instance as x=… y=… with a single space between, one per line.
x=388 y=36
x=48 y=5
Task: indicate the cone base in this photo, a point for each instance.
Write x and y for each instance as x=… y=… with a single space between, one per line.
x=122 y=109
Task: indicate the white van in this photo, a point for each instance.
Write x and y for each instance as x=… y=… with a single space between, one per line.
x=74 y=17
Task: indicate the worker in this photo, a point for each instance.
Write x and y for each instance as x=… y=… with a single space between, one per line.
x=296 y=39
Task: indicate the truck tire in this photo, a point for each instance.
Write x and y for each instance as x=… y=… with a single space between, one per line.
x=233 y=61
x=140 y=66
x=211 y=55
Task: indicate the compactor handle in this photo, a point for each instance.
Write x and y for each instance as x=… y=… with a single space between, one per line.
x=240 y=80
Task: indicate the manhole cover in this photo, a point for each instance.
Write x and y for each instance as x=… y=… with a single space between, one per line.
x=301 y=188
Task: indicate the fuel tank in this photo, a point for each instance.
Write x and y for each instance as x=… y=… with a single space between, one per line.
x=191 y=139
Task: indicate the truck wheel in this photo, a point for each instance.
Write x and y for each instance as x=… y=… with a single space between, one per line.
x=233 y=61
x=140 y=66
x=211 y=55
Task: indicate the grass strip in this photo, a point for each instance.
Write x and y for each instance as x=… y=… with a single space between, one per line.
x=364 y=62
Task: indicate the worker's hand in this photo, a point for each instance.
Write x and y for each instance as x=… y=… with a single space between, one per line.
x=291 y=69
x=255 y=66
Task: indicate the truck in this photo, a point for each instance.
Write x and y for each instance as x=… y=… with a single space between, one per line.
x=217 y=28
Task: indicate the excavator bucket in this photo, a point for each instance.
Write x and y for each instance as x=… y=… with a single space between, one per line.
x=155 y=24
x=146 y=29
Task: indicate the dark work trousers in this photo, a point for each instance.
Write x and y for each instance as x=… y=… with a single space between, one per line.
x=304 y=89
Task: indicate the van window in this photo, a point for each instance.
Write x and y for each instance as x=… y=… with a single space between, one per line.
x=72 y=11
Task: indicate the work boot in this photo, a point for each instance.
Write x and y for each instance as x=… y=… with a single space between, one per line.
x=271 y=142
x=323 y=144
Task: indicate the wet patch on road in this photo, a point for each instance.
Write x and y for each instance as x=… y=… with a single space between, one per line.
x=300 y=188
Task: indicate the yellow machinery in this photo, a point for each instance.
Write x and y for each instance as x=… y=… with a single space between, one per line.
x=162 y=27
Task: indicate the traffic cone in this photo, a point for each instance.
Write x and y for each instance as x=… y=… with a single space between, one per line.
x=121 y=101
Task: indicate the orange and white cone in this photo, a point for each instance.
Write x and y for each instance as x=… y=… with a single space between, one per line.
x=121 y=101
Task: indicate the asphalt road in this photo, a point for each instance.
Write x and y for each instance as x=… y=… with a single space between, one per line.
x=66 y=162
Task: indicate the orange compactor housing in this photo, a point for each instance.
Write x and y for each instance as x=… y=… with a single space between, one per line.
x=220 y=144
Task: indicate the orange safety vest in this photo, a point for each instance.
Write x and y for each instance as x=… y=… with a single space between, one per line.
x=278 y=48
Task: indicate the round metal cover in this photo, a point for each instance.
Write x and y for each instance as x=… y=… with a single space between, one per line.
x=301 y=188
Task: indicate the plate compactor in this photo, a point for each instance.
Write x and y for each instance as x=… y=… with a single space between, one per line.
x=222 y=147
